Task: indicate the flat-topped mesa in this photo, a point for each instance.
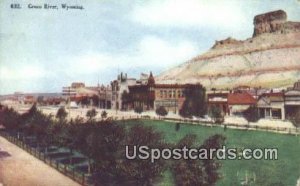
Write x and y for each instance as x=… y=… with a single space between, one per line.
x=269 y=22
x=274 y=22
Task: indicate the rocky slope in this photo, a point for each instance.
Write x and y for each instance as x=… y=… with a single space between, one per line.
x=271 y=58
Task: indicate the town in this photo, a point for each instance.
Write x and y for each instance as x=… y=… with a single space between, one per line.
x=80 y=111
x=145 y=93
x=125 y=96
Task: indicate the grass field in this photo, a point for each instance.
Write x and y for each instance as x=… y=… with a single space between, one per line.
x=284 y=171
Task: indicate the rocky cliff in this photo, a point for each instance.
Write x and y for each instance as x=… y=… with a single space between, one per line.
x=273 y=22
x=271 y=58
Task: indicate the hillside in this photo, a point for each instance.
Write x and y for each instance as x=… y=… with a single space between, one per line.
x=271 y=58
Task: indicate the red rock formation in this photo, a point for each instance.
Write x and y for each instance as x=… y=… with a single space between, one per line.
x=275 y=21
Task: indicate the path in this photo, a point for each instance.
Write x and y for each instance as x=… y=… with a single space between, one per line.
x=17 y=167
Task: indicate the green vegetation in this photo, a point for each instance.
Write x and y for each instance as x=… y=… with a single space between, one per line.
x=91 y=114
x=126 y=99
x=284 y=171
x=251 y=114
x=194 y=104
x=138 y=109
x=215 y=113
x=103 y=114
x=103 y=143
x=161 y=111
x=295 y=117
x=61 y=114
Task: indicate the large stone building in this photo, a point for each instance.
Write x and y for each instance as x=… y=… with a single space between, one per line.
x=119 y=86
x=151 y=96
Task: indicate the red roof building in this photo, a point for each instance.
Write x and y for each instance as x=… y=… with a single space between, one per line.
x=242 y=98
x=229 y=102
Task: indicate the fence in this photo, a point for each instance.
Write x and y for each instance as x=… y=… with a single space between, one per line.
x=292 y=131
x=81 y=178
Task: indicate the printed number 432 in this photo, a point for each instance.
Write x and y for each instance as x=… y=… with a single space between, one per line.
x=15 y=6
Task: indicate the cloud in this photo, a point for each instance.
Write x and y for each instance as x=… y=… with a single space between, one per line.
x=189 y=13
x=151 y=51
x=161 y=53
x=26 y=72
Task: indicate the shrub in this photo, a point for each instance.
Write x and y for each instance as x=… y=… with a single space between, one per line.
x=216 y=114
x=138 y=109
x=103 y=114
x=91 y=114
x=251 y=114
x=161 y=111
x=61 y=114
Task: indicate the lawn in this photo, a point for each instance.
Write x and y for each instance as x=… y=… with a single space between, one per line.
x=284 y=171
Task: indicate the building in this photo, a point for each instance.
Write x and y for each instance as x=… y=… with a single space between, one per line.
x=218 y=99
x=170 y=96
x=238 y=102
x=230 y=103
x=151 y=96
x=118 y=87
x=105 y=96
x=80 y=93
x=271 y=105
x=142 y=94
x=292 y=99
x=29 y=99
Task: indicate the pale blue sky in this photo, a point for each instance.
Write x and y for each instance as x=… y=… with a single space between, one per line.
x=43 y=50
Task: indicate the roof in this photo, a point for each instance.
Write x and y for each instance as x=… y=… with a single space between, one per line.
x=274 y=96
x=292 y=93
x=268 y=98
x=243 y=98
x=177 y=85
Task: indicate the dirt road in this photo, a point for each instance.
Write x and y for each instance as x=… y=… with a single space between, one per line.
x=17 y=167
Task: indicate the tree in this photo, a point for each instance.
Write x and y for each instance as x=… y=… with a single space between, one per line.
x=27 y=118
x=161 y=111
x=91 y=114
x=95 y=100
x=126 y=99
x=194 y=104
x=61 y=114
x=294 y=117
x=103 y=114
x=138 y=109
x=215 y=113
x=105 y=142
x=251 y=114
x=31 y=112
x=211 y=166
x=195 y=171
x=10 y=119
x=40 y=100
x=85 y=101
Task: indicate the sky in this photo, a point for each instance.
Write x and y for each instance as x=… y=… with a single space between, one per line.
x=43 y=50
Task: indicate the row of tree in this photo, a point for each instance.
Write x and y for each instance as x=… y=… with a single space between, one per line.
x=103 y=143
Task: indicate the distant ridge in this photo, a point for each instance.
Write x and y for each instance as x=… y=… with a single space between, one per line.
x=270 y=58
